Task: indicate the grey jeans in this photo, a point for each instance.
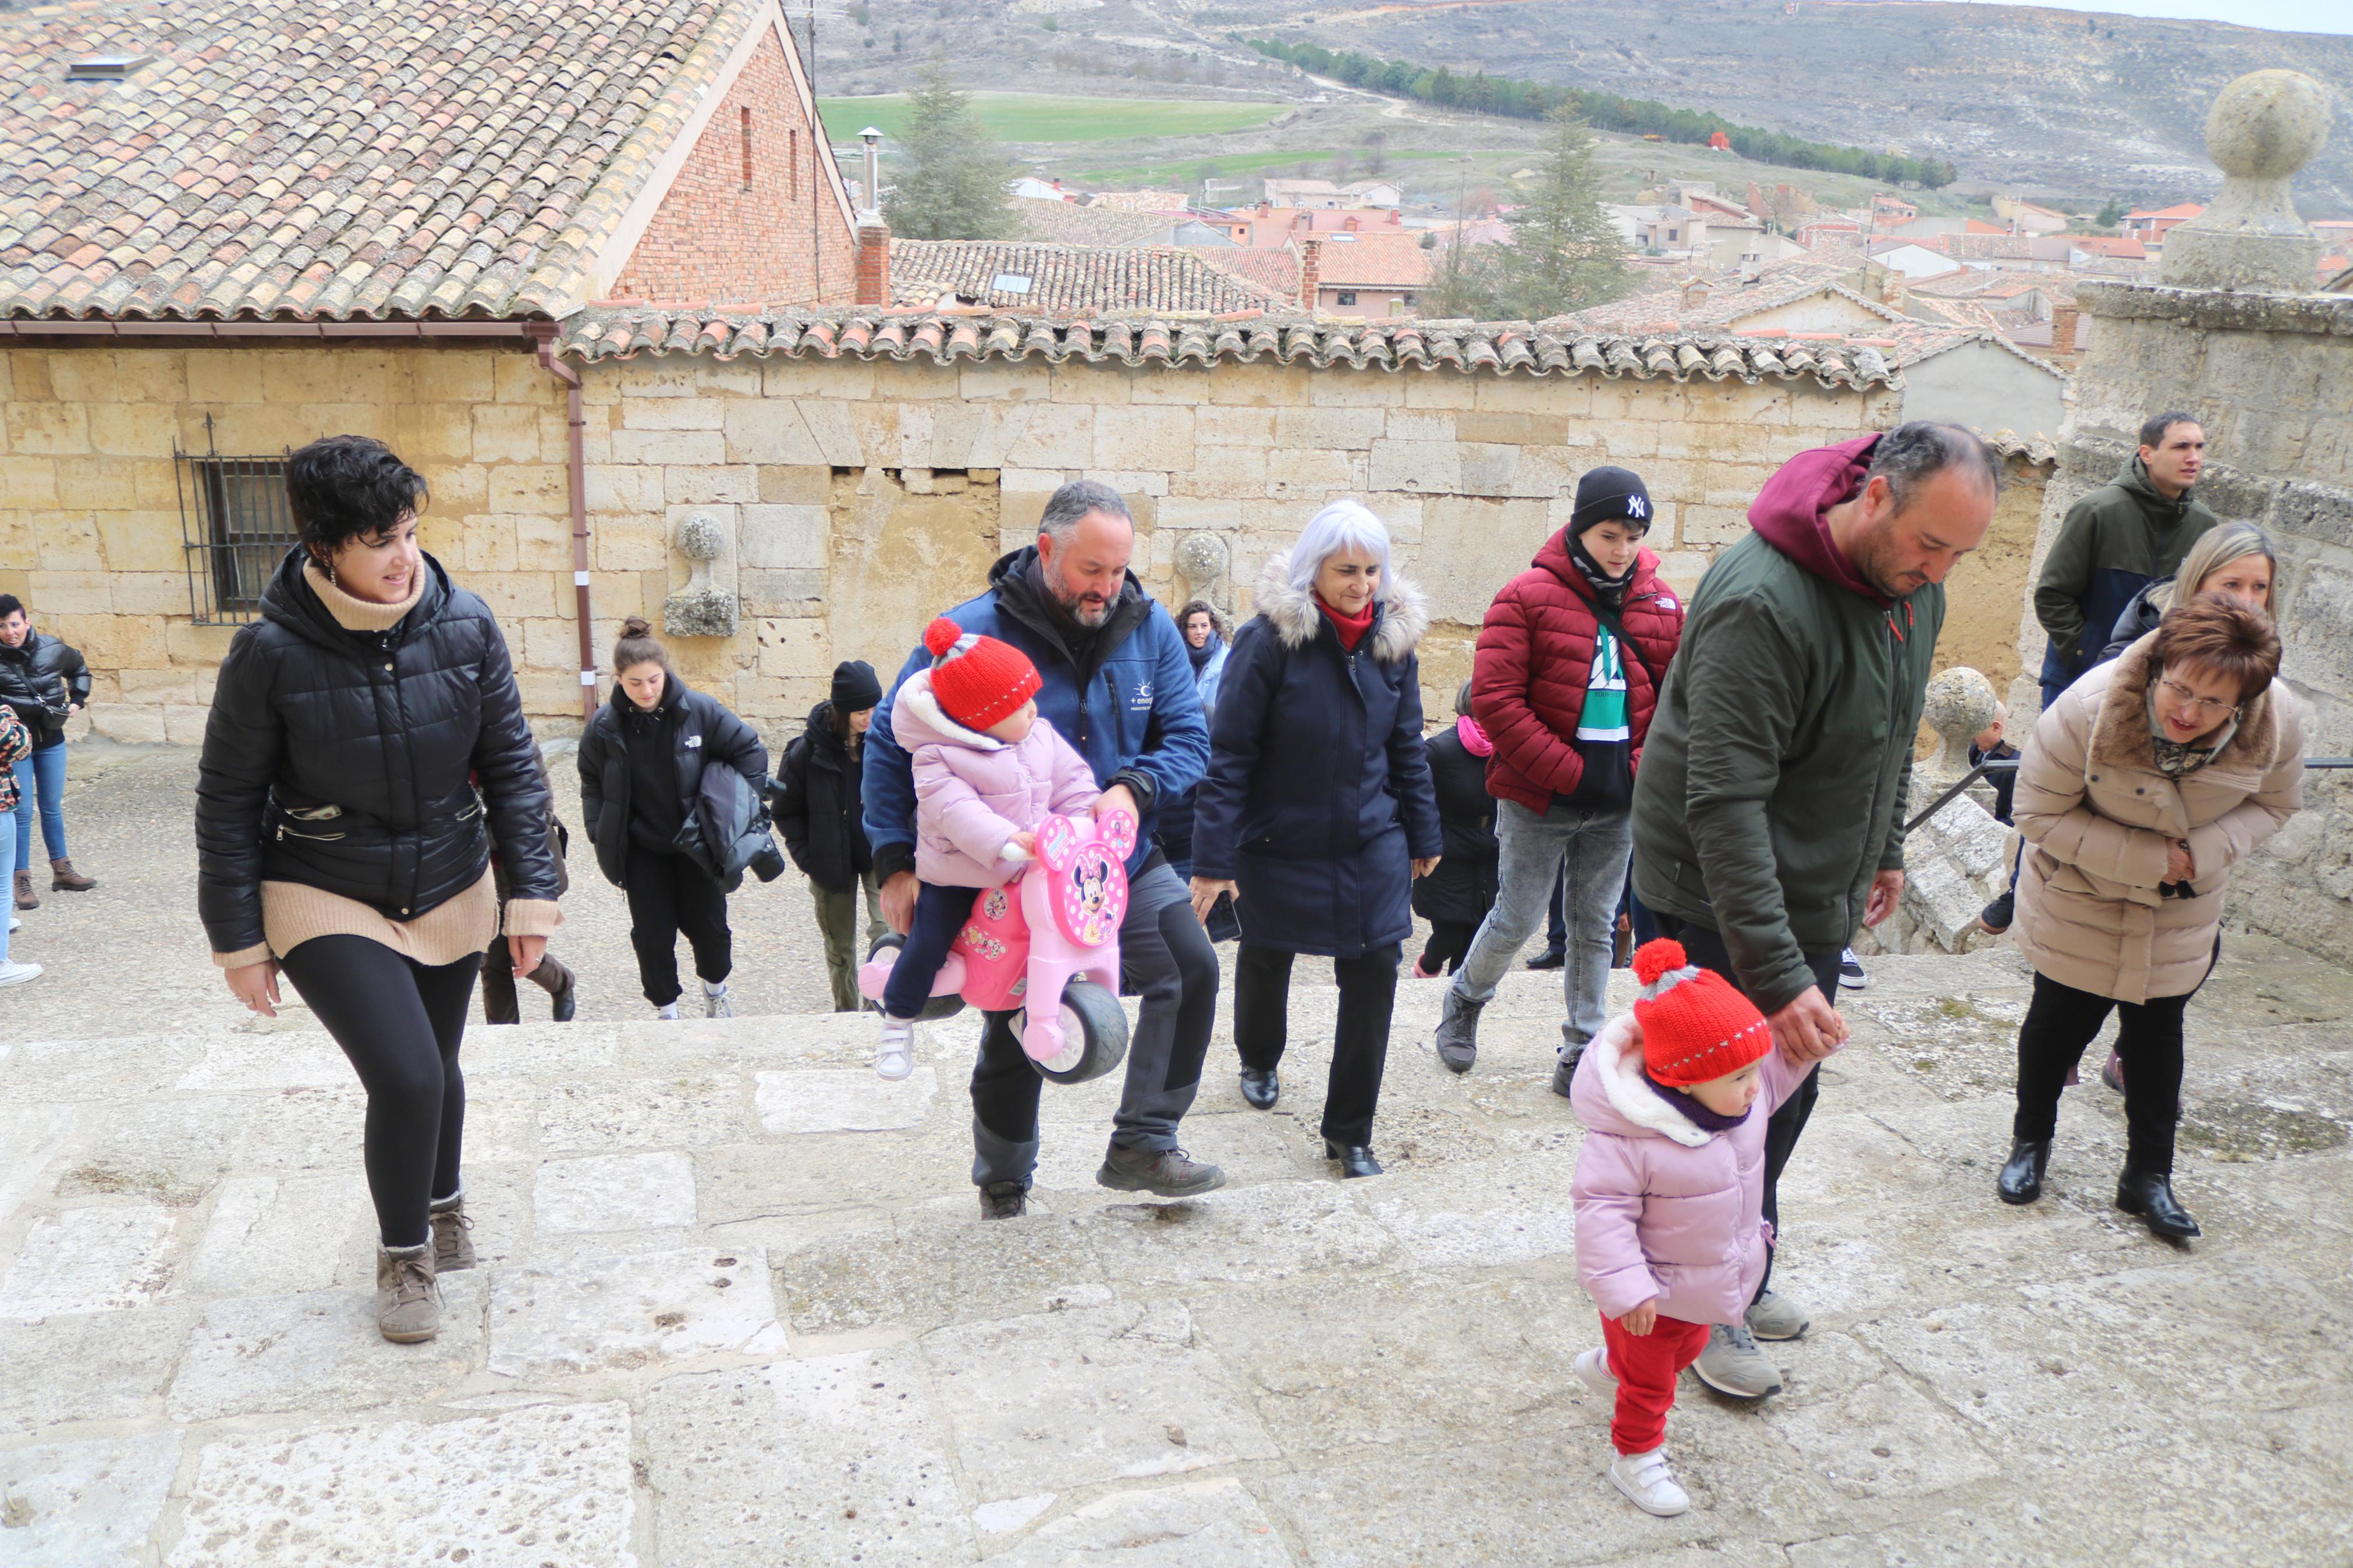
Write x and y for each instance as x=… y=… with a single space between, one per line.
x=1595 y=847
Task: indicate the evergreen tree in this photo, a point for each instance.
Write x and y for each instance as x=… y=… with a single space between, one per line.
x=2111 y=215
x=1564 y=253
x=951 y=183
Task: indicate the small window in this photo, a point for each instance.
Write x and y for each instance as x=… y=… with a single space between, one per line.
x=1408 y=299
x=1010 y=283
x=235 y=526
x=747 y=148
x=1348 y=296
x=1673 y=235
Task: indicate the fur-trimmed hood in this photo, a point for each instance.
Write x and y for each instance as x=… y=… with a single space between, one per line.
x=1404 y=614
x=918 y=720
x=1616 y=1054
x=2121 y=735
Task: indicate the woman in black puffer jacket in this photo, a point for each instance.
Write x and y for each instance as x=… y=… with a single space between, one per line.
x=816 y=799
x=644 y=797
x=340 y=837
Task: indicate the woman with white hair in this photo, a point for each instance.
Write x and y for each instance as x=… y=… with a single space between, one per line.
x=1317 y=811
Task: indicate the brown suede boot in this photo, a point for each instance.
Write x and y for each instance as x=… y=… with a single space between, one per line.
x=452 y=1249
x=408 y=1301
x=63 y=878
x=25 y=899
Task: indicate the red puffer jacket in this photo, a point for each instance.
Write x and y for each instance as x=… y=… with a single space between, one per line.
x=1536 y=658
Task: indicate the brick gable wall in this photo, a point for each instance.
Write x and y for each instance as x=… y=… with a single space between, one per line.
x=778 y=239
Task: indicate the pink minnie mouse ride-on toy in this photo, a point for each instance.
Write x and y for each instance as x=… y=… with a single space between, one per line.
x=1045 y=943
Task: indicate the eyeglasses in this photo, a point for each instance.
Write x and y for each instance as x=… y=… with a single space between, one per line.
x=2203 y=707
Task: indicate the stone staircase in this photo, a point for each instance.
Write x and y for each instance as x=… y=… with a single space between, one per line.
x=736 y=1306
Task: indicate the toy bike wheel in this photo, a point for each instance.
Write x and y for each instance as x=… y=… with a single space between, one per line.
x=935 y=1009
x=1095 y=1034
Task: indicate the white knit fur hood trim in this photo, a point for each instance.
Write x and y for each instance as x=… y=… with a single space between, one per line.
x=1292 y=613
x=1618 y=1053
x=917 y=696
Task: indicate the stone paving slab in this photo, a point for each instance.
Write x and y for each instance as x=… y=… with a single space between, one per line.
x=84 y=1505
x=1291 y=1370
x=545 y=1483
x=600 y=1314
x=270 y=1355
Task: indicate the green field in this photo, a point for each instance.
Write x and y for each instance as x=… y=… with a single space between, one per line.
x=1032 y=117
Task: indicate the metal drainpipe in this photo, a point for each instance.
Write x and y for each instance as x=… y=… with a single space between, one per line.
x=576 y=461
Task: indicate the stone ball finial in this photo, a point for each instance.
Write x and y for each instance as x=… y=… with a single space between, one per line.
x=1961 y=704
x=1202 y=558
x=2267 y=124
x=700 y=537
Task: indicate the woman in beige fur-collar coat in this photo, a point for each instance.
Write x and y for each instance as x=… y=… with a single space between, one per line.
x=2142 y=787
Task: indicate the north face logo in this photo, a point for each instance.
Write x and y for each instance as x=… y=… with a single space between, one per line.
x=1637 y=508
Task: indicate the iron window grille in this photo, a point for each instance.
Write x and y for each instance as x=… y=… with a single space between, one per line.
x=235 y=527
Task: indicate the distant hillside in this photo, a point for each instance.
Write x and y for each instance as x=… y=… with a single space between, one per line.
x=2057 y=102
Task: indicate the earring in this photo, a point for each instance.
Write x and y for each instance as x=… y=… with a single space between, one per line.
x=331 y=577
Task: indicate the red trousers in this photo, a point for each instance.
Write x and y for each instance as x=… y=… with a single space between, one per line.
x=1646 y=1367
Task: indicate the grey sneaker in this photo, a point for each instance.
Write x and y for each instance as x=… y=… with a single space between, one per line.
x=715 y=1003
x=408 y=1301
x=1165 y=1173
x=1772 y=1317
x=1458 y=1032
x=453 y=1250
x=1733 y=1364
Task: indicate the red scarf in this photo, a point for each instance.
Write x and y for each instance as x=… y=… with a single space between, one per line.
x=1352 y=629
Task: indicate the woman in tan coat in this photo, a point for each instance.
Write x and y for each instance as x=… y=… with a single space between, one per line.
x=2142 y=787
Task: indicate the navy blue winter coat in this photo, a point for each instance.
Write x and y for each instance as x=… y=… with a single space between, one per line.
x=1125 y=699
x=1318 y=797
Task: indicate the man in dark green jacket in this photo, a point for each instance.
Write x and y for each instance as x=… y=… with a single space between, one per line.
x=2115 y=543
x=1768 y=812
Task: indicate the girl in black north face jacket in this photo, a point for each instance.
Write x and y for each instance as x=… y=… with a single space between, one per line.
x=340 y=837
x=643 y=760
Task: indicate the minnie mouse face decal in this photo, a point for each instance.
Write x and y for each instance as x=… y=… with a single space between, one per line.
x=1094 y=898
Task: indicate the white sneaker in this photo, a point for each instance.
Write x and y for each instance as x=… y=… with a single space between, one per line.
x=894 y=1058
x=667 y=1010
x=1648 y=1484
x=1593 y=1366
x=15 y=925
x=715 y=1003
x=17 y=973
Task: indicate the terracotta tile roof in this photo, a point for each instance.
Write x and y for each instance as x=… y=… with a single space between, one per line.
x=1068 y=222
x=315 y=159
x=1067 y=279
x=1274 y=270
x=1373 y=261
x=1142 y=201
x=1730 y=299
x=947 y=337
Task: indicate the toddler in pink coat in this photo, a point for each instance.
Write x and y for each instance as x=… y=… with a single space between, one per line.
x=1670 y=1192
x=987 y=771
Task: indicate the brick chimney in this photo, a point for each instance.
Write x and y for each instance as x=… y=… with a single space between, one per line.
x=874 y=261
x=2063 y=316
x=1890 y=288
x=1311 y=271
x=1694 y=294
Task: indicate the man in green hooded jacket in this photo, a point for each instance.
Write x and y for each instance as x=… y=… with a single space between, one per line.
x=2115 y=543
x=1769 y=806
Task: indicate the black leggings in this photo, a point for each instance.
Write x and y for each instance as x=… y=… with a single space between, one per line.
x=2060 y=1022
x=669 y=894
x=1360 y=1040
x=400 y=1023
x=1449 y=944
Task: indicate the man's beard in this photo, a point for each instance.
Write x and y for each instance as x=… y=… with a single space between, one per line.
x=1089 y=613
x=1873 y=562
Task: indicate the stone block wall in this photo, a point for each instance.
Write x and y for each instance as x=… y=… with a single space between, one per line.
x=860 y=497
x=2270 y=377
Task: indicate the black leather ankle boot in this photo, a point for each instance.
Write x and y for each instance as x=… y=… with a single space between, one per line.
x=2151 y=1197
x=1356 y=1160
x=2020 y=1180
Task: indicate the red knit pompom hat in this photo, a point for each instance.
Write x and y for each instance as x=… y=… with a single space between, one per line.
x=1695 y=1026
x=978 y=680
